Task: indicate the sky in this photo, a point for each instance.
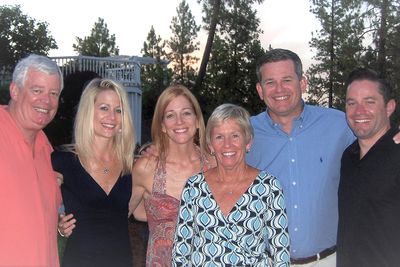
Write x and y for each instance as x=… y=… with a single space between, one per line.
x=286 y=23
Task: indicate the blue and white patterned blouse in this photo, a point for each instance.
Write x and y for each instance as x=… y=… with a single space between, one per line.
x=253 y=234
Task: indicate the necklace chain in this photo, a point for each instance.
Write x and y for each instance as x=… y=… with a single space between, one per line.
x=106 y=170
x=101 y=169
x=235 y=185
x=230 y=191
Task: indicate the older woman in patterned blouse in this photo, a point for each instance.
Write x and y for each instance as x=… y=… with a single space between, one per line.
x=232 y=215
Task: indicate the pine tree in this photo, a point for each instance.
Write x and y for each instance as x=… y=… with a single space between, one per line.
x=99 y=44
x=214 y=11
x=338 y=49
x=354 y=33
x=153 y=76
x=182 y=44
x=231 y=72
x=382 y=20
x=154 y=79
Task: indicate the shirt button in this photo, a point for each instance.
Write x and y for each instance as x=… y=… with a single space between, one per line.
x=290 y=138
x=295 y=229
x=301 y=126
x=295 y=206
x=293 y=183
x=293 y=160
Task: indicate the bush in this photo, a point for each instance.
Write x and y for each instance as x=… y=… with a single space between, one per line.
x=4 y=94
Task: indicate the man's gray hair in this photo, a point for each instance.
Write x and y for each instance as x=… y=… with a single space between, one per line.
x=38 y=63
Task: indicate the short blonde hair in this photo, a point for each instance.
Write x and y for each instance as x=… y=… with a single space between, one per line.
x=226 y=112
x=160 y=139
x=124 y=142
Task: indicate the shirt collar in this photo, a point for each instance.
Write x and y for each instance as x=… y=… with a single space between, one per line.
x=385 y=139
x=298 y=120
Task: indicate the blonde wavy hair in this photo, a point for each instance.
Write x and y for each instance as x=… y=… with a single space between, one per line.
x=123 y=143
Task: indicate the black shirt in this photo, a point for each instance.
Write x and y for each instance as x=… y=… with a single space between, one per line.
x=369 y=205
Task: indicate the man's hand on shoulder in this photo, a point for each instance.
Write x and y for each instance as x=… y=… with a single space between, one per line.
x=149 y=150
x=396 y=138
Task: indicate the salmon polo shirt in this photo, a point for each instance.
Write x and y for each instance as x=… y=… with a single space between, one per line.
x=29 y=199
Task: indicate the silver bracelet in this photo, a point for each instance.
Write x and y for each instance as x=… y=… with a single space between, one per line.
x=60 y=232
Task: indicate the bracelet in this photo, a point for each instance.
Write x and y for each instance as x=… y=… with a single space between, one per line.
x=60 y=232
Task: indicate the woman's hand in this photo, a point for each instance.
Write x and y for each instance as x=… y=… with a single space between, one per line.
x=66 y=224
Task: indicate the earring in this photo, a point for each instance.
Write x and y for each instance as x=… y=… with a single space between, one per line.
x=120 y=130
x=212 y=153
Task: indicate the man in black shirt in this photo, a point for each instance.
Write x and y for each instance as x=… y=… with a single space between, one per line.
x=369 y=189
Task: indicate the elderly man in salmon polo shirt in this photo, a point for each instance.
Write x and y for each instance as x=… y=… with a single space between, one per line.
x=29 y=194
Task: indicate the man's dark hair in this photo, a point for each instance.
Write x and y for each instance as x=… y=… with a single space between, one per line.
x=362 y=73
x=276 y=55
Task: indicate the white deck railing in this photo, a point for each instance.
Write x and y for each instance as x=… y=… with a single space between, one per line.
x=125 y=70
x=121 y=69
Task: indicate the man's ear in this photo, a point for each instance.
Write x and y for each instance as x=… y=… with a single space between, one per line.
x=260 y=91
x=14 y=91
x=390 y=107
x=303 y=84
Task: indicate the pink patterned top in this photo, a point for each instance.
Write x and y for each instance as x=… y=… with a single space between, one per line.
x=162 y=213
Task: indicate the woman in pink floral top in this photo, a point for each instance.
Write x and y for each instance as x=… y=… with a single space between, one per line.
x=179 y=143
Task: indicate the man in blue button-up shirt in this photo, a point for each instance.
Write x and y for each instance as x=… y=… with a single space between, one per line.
x=302 y=145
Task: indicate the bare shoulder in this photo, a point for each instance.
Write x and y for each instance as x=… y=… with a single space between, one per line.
x=143 y=170
x=145 y=163
x=252 y=171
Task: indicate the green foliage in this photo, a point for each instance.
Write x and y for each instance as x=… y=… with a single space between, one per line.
x=99 y=44
x=154 y=79
x=21 y=35
x=382 y=19
x=338 y=49
x=152 y=76
x=4 y=94
x=353 y=33
x=214 y=13
x=394 y=67
x=231 y=72
x=183 y=44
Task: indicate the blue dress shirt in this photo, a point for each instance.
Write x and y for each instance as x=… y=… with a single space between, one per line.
x=307 y=164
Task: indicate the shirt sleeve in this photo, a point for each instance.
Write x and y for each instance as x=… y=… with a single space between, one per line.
x=277 y=222
x=182 y=248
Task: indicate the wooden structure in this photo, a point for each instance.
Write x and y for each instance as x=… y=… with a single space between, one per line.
x=123 y=69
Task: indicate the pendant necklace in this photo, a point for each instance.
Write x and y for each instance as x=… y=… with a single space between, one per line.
x=106 y=170
x=230 y=191
x=101 y=169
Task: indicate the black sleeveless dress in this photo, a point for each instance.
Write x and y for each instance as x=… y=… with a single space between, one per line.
x=101 y=236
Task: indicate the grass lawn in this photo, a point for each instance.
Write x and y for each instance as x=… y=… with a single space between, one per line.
x=61 y=245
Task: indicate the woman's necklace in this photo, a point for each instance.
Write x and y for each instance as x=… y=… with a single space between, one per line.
x=236 y=185
x=106 y=170
x=230 y=191
x=101 y=167
x=102 y=170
